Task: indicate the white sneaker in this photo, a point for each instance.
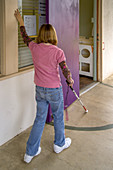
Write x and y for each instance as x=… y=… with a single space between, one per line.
x=28 y=158
x=59 y=149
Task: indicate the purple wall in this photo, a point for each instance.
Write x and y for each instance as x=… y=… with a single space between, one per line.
x=64 y=16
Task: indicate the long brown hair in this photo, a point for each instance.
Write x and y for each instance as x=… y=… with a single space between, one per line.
x=47 y=34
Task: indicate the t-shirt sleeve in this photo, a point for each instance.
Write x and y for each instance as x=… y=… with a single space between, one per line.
x=60 y=56
x=32 y=45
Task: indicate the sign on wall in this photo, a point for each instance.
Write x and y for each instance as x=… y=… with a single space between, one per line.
x=42 y=12
x=30 y=24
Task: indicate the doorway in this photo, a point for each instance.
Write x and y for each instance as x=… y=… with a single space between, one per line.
x=87 y=43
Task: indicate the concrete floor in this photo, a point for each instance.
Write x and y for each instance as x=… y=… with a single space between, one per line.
x=91 y=134
x=109 y=81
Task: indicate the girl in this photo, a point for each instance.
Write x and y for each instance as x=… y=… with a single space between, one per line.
x=46 y=58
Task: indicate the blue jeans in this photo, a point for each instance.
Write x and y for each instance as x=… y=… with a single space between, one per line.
x=44 y=97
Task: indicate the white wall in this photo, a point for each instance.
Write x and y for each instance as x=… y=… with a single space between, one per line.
x=17 y=105
x=107 y=38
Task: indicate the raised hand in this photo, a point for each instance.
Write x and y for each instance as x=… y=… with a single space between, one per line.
x=19 y=17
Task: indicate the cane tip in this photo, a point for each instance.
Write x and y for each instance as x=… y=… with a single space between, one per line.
x=86 y=111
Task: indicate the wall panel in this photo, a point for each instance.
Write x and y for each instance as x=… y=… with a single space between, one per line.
x=64 y=16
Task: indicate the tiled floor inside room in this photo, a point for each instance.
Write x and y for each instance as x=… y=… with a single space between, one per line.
x=85 y=81
x=91 y=134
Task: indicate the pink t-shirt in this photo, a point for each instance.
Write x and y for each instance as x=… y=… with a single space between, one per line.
x=46 y=59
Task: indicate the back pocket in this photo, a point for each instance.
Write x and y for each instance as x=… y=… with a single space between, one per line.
x=54 y=96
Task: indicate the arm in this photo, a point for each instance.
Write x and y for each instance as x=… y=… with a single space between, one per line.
x=25 y=37
x=19 y=18
x=66 y=72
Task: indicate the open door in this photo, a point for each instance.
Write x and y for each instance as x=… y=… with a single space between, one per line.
x=88 y=26
x=64 y=16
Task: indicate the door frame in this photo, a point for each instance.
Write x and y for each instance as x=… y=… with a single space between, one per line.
x=95 y=41
x=99 y=41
